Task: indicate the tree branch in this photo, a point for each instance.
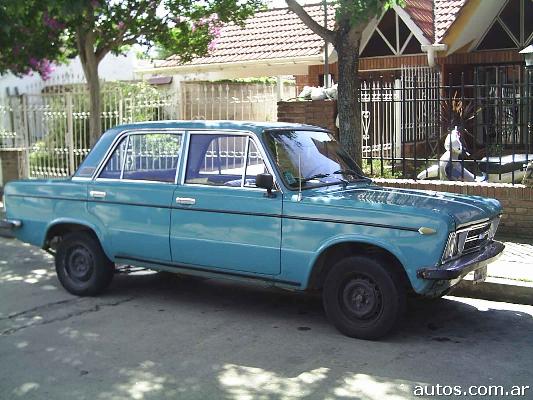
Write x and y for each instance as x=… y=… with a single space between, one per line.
x=320 y=30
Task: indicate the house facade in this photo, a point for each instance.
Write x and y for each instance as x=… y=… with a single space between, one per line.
x=417 y=63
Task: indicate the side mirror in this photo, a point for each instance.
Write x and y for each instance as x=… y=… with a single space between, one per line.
x=265 y=181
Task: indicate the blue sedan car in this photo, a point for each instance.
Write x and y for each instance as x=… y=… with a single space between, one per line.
x=275 y=203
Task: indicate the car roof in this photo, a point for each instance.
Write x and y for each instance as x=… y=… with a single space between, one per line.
x=214 y=124
x=105 y=141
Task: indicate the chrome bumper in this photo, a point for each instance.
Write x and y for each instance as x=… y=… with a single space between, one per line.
x=463 y=265
x=10 y=223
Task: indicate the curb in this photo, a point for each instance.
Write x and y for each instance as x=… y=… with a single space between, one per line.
x=496 y=289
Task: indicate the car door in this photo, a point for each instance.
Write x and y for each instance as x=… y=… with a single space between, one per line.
x=132 y=195
x=220 y=219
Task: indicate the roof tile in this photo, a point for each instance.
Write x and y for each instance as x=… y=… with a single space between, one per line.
x=279 y=33
x=445 y=13
x=421 y=12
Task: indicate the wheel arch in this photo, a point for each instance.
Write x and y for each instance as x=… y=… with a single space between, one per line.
x=338 y=249
x=60 y=227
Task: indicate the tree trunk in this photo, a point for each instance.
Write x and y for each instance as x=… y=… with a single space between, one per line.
x=95 y=121
x=347 y=46
x=89 y=62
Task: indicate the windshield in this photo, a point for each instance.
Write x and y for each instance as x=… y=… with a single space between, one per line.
x=311 y=159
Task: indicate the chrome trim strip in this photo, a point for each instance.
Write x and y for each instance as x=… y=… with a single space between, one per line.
x=293 y=217
x=246 y=153
x=472 y=227
x=185 y=160
x=132 y=181
x=125 y=155
x=471 y=224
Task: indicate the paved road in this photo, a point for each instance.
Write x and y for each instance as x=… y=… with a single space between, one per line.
x=154 y=337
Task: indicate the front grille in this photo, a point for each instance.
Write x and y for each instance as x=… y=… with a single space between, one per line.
x=476 y=238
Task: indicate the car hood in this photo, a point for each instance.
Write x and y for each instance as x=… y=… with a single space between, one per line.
x=463 y=209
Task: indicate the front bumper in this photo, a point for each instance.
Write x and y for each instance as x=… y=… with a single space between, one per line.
x=463 y=265
x=10 y=223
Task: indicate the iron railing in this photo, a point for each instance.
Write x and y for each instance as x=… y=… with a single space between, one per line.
x=51 y=124
x=407 y=120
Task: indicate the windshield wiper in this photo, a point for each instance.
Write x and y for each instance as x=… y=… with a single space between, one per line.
x=316 y=176
x=322 y=175
x=360 y=176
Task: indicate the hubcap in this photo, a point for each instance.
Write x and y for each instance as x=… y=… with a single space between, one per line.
x=79 y=265
x=361 y=298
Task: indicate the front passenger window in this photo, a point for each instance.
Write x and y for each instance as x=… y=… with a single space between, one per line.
x=216 y=160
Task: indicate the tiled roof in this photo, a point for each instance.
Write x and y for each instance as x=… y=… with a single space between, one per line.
x=271 y=34
x=280 y=34
x=421 y=12
x=445 y=13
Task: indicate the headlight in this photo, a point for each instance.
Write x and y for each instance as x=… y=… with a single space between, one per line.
x=4 y=203
x=450 y=250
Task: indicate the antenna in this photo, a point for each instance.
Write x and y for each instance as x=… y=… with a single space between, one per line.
x=299 y=177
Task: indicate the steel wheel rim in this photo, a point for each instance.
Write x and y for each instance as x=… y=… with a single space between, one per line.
x=361 y=298
x=79 y=264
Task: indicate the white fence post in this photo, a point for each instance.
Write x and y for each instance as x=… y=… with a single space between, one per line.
x=69 y=134
x=397 y=100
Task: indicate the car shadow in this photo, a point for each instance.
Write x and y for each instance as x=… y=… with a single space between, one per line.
x=450 y=319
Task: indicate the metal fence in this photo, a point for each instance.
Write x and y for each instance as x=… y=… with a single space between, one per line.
x=51 y=125
x=233 y=101
x=409 y=124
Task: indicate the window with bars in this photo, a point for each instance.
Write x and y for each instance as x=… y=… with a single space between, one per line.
x=512 y=28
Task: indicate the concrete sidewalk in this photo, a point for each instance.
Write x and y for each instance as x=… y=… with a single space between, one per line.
x=510 y=278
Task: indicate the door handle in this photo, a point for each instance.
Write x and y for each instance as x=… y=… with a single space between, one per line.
x=186 y=201
x=95 y=194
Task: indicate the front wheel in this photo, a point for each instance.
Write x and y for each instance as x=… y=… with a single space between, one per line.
x=82 y=266
x=362 y=298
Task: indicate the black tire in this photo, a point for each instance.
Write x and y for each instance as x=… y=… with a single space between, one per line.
x=362 y=298
x=82 y=266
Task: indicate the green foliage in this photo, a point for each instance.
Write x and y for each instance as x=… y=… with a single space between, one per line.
x=37 y=30
x=360 y=11
x=139 y=98
x=373 y=169
x=25 y=39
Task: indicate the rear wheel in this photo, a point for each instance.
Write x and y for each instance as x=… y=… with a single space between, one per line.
x=362 y=298
x=82 y=266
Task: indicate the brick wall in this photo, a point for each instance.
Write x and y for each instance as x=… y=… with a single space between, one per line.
x=517 y=200
x=320 y=113
x=11 y=165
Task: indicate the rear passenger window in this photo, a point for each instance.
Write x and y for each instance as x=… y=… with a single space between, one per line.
x=147 y=157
